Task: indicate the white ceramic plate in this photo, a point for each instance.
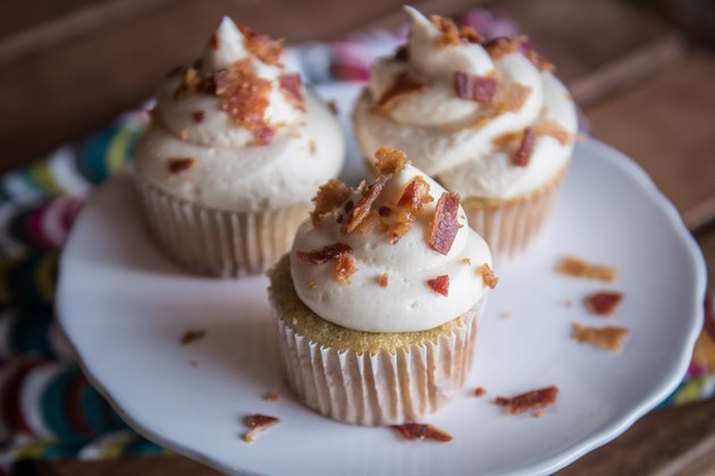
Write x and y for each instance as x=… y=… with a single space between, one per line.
x=124 y=307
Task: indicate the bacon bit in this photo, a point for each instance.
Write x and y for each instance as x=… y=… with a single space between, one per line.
x=402 y=54
x=440 y=284
x=214 y=41
x=383 y=280
x=466 y=261
x=344 y=268
x=453 y=35
x=505 y=315
x=271 y=396
x=389 y=161
x=578 y=268
x=479 y=391
x=367 y=224
x=384 y=211
x=411 y=206
x=184 y=134
x=328 y=253
x=180 y=165
x=526 y=402
x=488 y=276
x=312 y=286
x=192 y=82
x=244 y=96
x=402 y=86
x=191 y=336
x=257 y=423
x=420 y=431
x=523 y=154
x=502 y=46
x=608 y=338
x=604 y=303
x=198 y=116
x=553 y=129
x=539 y=61
x=262 y=46
x=361 y=211
x=290 y=84
x=480 y=89
x=444 y=226
x=329 y=196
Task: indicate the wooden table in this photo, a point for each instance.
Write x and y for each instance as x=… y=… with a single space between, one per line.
x=644 y=90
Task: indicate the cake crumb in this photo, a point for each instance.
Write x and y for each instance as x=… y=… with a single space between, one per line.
x=383 y=280
x=505 y=315
x=538 y=413
x=312 y=148
x=333 y=106
x=466 y=261
x=312 y=286
x=191 y=336
x=488 y=276
x=256 y=424
x=271 y=396
x=607 y=338
x=579 y=268
x=568 y=303
x=193 y=363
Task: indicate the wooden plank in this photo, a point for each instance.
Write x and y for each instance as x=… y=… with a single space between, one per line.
x=667 y=125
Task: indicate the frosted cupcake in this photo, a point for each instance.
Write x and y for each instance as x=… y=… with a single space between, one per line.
x=378 y=301
x=234 y=152
x=485 y=119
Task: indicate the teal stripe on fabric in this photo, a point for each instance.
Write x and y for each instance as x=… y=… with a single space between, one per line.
x=92 y=156
x=53 y=406
x=142 y=447
x=97 y=412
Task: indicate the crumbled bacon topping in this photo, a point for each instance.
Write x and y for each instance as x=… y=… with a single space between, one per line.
x=402 y=86
x=421 y=431
x=539 y=61
x=502 y=46
x=262 y=46
x=389 y=161
x=326 y=254
x=198 y=116
x=329 y=196
x=180 y=165
x=214 y=41
x=608 y=338
x=383 y=280
x=529 y=401
x=553 y=129
x=364 y=206
x=191 y=336
x=578 y=268
x=479 y=391
x=257 y=423
x=440 y=284
x=193 y=82
x=480 y=89
x=410 y=207
x=444 y=225
x=604 y=303
x=244 y=96
x=290 y=84
x=451 y=34
x=523 y=154
x=344 y=268
x=488 y=276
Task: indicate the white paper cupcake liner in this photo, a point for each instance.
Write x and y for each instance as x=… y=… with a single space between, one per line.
x=217 y=242
x=382 y=388
x=510 y=228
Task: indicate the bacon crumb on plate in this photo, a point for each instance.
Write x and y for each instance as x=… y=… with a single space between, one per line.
x=257 y=423
x=604 y=303
x=479 y=391
x=529 y=401
x=607 y=338
x=191 y=336
x=271 y=396
x=421 y=431
x=383 y=280
x=579 y=268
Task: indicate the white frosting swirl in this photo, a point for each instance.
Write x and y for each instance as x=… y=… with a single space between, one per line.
x=437 y=129
x=232 y=171
x=407 y=303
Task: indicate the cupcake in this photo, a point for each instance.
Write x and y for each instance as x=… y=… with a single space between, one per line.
x=234 y=152
x=487 y=119
x=378 y=301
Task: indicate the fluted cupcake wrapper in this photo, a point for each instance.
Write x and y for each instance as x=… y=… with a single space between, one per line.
x=217 y=242
x=511 y=226
x=382 y=388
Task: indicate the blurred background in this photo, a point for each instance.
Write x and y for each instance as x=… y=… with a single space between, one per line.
x=643 y=72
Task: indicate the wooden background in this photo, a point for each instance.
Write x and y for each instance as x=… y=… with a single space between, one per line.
x=69 y=67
